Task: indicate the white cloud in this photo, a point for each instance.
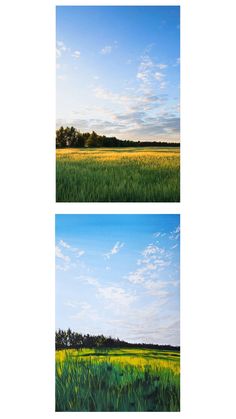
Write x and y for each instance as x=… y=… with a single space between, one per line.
x=147 y=72
x=155 y=259
x=86 y=311
x=151 y=267
x=106 y=94
x=115 y=249
x=175 y=235
x=162 y=66
x=177 y=62
x=60 y=48
x=152 y=249
x=76 y=54
x=64 y=244
x=106 y=50
x=163 y=85
x=80 y=253
x=138 y=276
x=161 y=262
x=60 y=255
x=61 y=45
x=159 y=76
x=156 y=288
x=70 y=304
x=145 y=69
x=63 y=268
x=147 y=324
x=116 y=295
x=89 y=279
x=142 y=76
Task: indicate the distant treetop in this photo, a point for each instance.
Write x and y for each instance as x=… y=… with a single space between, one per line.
x=70 y=137
x=66 y=339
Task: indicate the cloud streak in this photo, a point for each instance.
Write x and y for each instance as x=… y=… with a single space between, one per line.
x=76 y=54
x=115 y=249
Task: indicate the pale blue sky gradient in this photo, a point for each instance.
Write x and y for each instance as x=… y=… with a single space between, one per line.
x=118 y=70
x=118 y=275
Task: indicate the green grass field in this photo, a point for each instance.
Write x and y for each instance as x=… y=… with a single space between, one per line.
x=118 y=175
x=122 y=380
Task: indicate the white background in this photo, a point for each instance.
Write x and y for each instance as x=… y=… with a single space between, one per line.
x=207 y=208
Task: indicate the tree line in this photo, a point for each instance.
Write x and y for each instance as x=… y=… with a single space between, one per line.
x=67 y=339
x=70 y=137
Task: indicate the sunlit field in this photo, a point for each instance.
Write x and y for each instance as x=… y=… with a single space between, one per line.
x=118 y=175
x=117 y=380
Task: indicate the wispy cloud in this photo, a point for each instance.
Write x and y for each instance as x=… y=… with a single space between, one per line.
x=112 y=294
x=152 y=249
x=79 y=253
x=85 y=311
x=60 y=48
x=64 y=244
x=70 y=304
x=115 y=249
x=175 y=235
x=148 y=74
x=63 y=268
x=155 y=259
x=159 y=76
x=161 y=66
x=60 y=255
x=177 y=63
x=89 y=280
x=76 y=54
x=156 y=288
x=75 y=250
x=116 y=295
x=147 y=324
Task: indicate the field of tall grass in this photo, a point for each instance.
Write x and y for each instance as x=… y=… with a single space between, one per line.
x=122 y=380
x=118 y=175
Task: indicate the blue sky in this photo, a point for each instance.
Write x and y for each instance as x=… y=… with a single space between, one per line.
x=118 y=275
x=118 y=70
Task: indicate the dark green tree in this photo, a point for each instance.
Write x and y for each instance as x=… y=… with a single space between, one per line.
x=92 y=140
x=60 y=138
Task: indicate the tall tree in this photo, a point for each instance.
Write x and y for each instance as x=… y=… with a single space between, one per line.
x=92 y=140
x=60 y=138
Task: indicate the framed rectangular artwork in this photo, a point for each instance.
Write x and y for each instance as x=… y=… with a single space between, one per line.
x=118 y=124
x=117 y=313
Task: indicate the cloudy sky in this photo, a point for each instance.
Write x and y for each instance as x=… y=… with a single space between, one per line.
x=118 y=275
x=118 y=70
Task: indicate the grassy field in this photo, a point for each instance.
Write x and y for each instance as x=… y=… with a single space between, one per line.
x=118 y=175
x=122 y=380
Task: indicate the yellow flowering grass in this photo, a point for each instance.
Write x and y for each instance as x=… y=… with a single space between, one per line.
x=117 y=380
x=140 y=358
x=118 y=175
